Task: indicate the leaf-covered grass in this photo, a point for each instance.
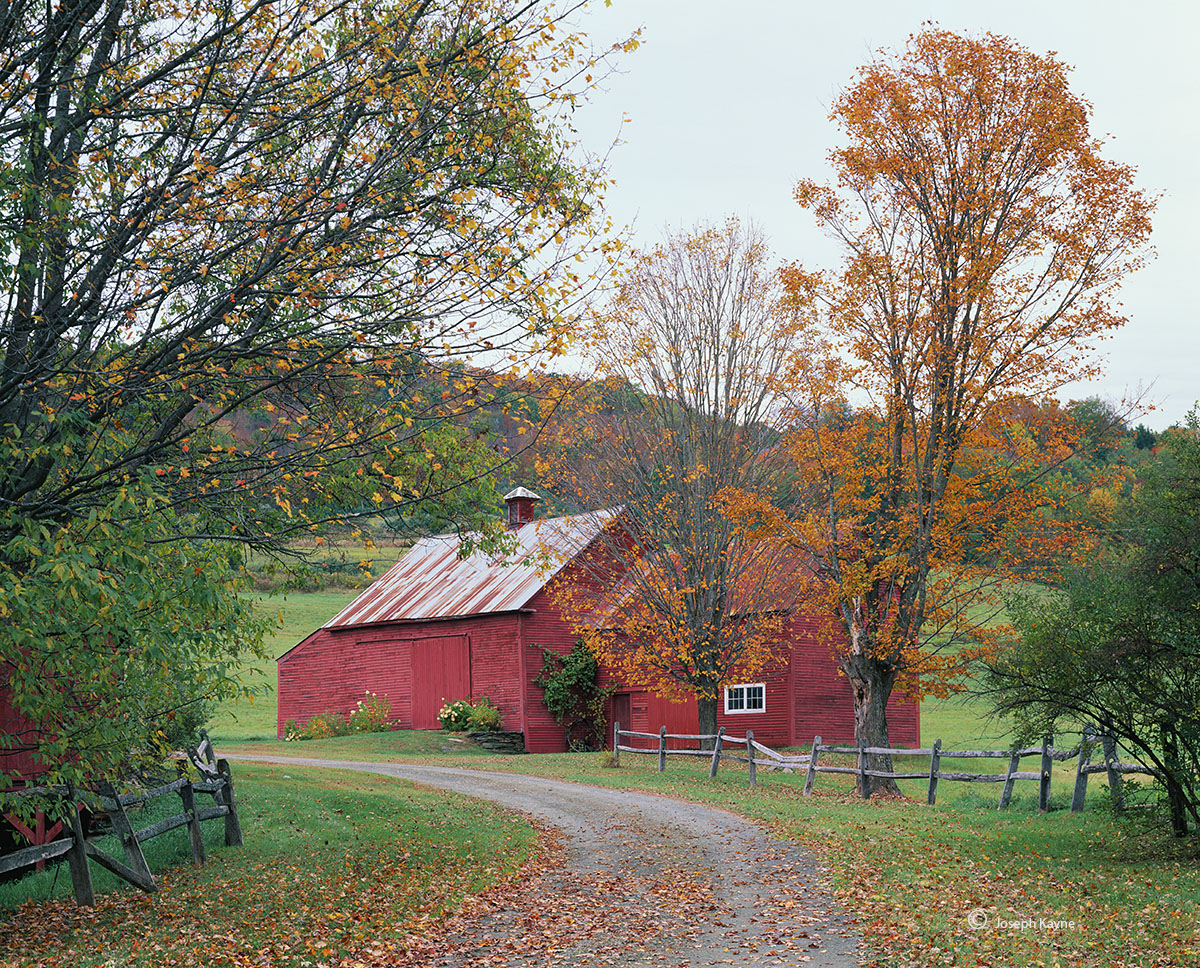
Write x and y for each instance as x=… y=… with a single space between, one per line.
x=911 y=873
x=334 y=864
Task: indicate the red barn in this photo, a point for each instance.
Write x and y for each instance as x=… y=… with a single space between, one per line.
x=436 y=628
x=18 y=760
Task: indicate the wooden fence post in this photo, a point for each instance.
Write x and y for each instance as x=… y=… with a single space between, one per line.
x=188 y=796
x=812 y=766
x=617 y=743
x=1014 y=762
x=1115 y=781
x=662 y=749
x=233 y=826
x=81 y=874
x=864 y=781
x=133 y=849
x=1044 y=782
x=750 y=756
x=1081 y=776
x=712 y=770
x=935 y=764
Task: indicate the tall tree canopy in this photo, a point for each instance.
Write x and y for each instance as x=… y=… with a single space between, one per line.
x=674 y=593
x=323 y=213
x=984 y=236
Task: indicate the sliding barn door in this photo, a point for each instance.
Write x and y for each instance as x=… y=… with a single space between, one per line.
x=441 y=673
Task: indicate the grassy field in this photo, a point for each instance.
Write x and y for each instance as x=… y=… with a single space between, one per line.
x=297 y=614
x=331 y=564
x=335 y=866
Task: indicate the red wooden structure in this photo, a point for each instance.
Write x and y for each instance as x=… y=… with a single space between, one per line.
x=21 y=763
x=436 y=628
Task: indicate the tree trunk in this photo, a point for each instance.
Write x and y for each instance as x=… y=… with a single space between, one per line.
x=871 y=682
x=707 y=708
x=1176 y=798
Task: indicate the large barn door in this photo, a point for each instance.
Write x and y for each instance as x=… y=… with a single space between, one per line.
x=441 y=672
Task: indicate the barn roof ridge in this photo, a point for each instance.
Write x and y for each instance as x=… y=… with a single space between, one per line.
x=430 y=581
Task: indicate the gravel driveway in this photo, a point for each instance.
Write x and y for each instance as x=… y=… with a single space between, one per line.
x=643 y=880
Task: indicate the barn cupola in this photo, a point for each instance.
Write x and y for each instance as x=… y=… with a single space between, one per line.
x=520 y=503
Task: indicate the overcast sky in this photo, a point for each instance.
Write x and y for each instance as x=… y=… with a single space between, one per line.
x=728 y=107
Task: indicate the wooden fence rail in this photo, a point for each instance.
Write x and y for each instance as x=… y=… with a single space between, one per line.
x=811 y=762
x=215 y=780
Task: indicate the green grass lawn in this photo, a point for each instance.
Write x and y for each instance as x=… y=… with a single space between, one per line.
x=335 y=866
x=298 y=614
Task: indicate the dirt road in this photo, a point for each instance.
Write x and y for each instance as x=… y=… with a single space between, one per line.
x=638 y=880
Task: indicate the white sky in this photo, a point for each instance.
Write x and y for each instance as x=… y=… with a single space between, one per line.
x=728 y=107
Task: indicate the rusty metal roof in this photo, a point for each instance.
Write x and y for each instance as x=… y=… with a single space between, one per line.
x=431 y=581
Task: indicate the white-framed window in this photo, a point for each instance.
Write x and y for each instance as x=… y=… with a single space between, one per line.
x=748 y=697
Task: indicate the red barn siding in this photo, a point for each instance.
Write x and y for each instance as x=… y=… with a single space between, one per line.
x=770 y=726
x=543 y=627
x=334 y=668
x=823 y=704
x=20 y=762
x=495 y=663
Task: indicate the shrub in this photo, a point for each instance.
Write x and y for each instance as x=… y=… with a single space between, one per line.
x=571 y=693
x=373 y=715
x=456 y=716
x=326 y=724
x=486 y=718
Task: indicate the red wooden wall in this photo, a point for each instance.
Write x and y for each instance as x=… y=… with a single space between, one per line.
x=543 y=627
x=416 y=665
x=823 y=704
x=11 y=723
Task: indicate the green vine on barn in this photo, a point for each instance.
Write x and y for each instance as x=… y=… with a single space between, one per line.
x=573 y=695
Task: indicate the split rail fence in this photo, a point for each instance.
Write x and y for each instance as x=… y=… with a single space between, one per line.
x=757 y=755
x=215 y=780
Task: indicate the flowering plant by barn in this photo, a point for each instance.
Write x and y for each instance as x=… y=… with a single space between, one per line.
x=371 y=716
x=460 y=716
x=455 y=716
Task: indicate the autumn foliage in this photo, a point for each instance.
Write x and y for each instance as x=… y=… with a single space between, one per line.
x=983 y=237
x=674 y=594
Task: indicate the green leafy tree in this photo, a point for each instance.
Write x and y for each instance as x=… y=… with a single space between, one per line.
x=114 y=636
x=319 y=214
x=1118 y=644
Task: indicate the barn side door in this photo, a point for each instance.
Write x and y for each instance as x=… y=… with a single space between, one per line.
x=620 y=714
x=441 y=672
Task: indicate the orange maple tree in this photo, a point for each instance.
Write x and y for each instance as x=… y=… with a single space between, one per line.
x=984 y=236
